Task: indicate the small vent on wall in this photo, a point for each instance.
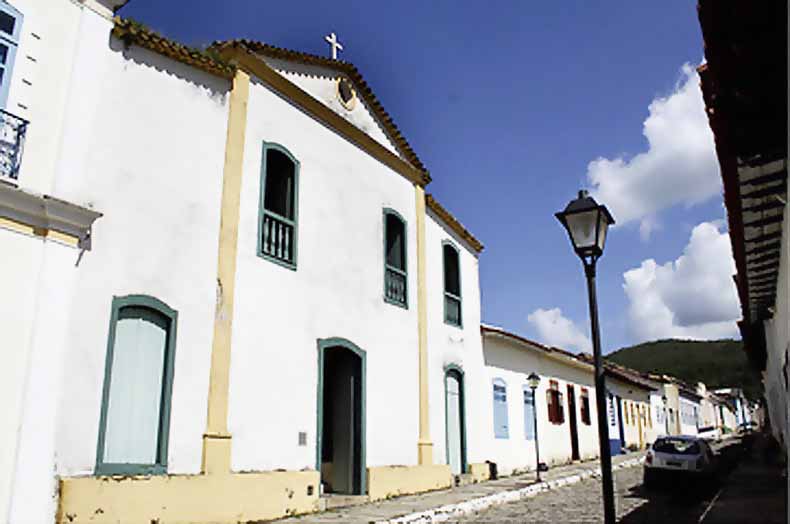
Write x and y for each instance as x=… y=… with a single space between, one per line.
x=302 y=438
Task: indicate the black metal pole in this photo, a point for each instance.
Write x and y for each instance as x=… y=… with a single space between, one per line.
x=535 y=423
x=600 y=400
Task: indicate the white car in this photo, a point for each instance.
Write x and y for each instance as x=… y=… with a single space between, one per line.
x=681 y=455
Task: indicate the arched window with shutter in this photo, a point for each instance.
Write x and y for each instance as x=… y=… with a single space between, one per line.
x=452 y=284
x=135 y=415
x=395 y=267
x=554 y=405
x=500 y=408
x=278 y=207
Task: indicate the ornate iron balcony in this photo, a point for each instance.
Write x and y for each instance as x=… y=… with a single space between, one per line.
x=12 y=142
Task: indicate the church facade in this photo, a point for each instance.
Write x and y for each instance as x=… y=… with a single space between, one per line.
x=234 y=318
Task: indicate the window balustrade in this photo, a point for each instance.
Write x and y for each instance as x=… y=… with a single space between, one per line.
x=12 y=141
x=277 y=237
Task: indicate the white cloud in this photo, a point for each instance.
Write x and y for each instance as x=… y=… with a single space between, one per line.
x=679 y=166
x=693 y=297
x=556 y=330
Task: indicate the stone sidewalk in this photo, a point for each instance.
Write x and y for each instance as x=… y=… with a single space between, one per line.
x=443 y=505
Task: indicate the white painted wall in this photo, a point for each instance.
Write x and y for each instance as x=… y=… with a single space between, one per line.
x=777 y=343
x=336 y=291
x=689 y=413
x=38 y=90
x=41 y=82
x=657 y=425
x=513 y=362
x=461 y=346
x=145 y=146
x=19 y=280
x=634 y=429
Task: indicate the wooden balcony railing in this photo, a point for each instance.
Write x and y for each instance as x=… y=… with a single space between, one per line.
x=277 y=238
x=395 y=285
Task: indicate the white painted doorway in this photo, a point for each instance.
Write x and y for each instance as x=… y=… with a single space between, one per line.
x=454 y=405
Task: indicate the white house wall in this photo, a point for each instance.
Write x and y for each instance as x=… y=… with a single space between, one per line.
x=146 y=148
x=688 y=420
x=336 y=291
x=630 y=394
x=19 y=280
x=453 y=345
x=511 y=363
x=777 y=340
x=40 y=81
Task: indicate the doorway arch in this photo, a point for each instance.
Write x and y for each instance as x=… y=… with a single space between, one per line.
x=455 y=418
x=341 y=400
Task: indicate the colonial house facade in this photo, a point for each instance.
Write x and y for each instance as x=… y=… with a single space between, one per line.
x=629 y=398
x=236 y=285
x=563 y=405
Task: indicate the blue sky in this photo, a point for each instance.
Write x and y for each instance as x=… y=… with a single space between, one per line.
x=508 y=103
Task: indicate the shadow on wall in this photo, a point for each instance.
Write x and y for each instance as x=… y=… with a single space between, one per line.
x=218 y=88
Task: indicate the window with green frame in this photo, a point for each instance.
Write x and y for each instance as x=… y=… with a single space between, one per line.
x=10 y=32
x=452 y=284
x=277 y=214
x=395 y=271
x=134 y=422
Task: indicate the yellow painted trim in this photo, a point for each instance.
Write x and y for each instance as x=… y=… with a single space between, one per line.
x=198 y=499
x=216 y=455
x=391 y=481
x=44 y=233
x=480 y=471
x=424 y=444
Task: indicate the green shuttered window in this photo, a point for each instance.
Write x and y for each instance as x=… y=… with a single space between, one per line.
x=135 y=415
x=395 y=266
x=278 y=207
x=452 y=285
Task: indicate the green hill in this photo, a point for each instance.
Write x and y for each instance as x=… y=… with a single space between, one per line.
x=717 y=363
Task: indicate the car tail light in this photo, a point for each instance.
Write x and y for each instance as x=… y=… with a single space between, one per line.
x=649 y=457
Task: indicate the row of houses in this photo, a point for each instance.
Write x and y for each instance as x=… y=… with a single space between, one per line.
x=228 y=297
x=640 y=407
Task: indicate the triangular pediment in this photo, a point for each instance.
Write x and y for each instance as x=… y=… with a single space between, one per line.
x=340 y=87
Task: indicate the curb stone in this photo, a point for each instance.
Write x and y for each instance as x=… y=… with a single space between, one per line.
x=467 y=507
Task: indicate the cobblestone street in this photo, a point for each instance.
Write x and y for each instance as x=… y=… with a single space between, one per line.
x=730 y=501
x=576 y=503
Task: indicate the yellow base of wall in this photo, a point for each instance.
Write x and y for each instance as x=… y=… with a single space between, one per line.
x=194 y=499
x=479 y=471
x=392 y=481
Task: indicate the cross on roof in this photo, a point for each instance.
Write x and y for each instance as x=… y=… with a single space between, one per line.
x=332 y=40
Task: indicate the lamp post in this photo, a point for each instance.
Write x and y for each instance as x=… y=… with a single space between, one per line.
x=587 y=223
x=533 y=380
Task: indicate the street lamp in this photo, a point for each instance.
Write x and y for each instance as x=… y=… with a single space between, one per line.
x=533 y=380
x=587 y=224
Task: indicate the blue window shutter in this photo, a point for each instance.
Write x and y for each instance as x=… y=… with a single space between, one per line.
x=529 y=414
x=500 y=408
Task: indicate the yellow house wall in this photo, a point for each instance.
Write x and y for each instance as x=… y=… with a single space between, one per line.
x=392 y=481
x=186 y=499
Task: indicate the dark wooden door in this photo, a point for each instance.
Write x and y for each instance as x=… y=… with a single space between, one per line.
x=574 y=427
